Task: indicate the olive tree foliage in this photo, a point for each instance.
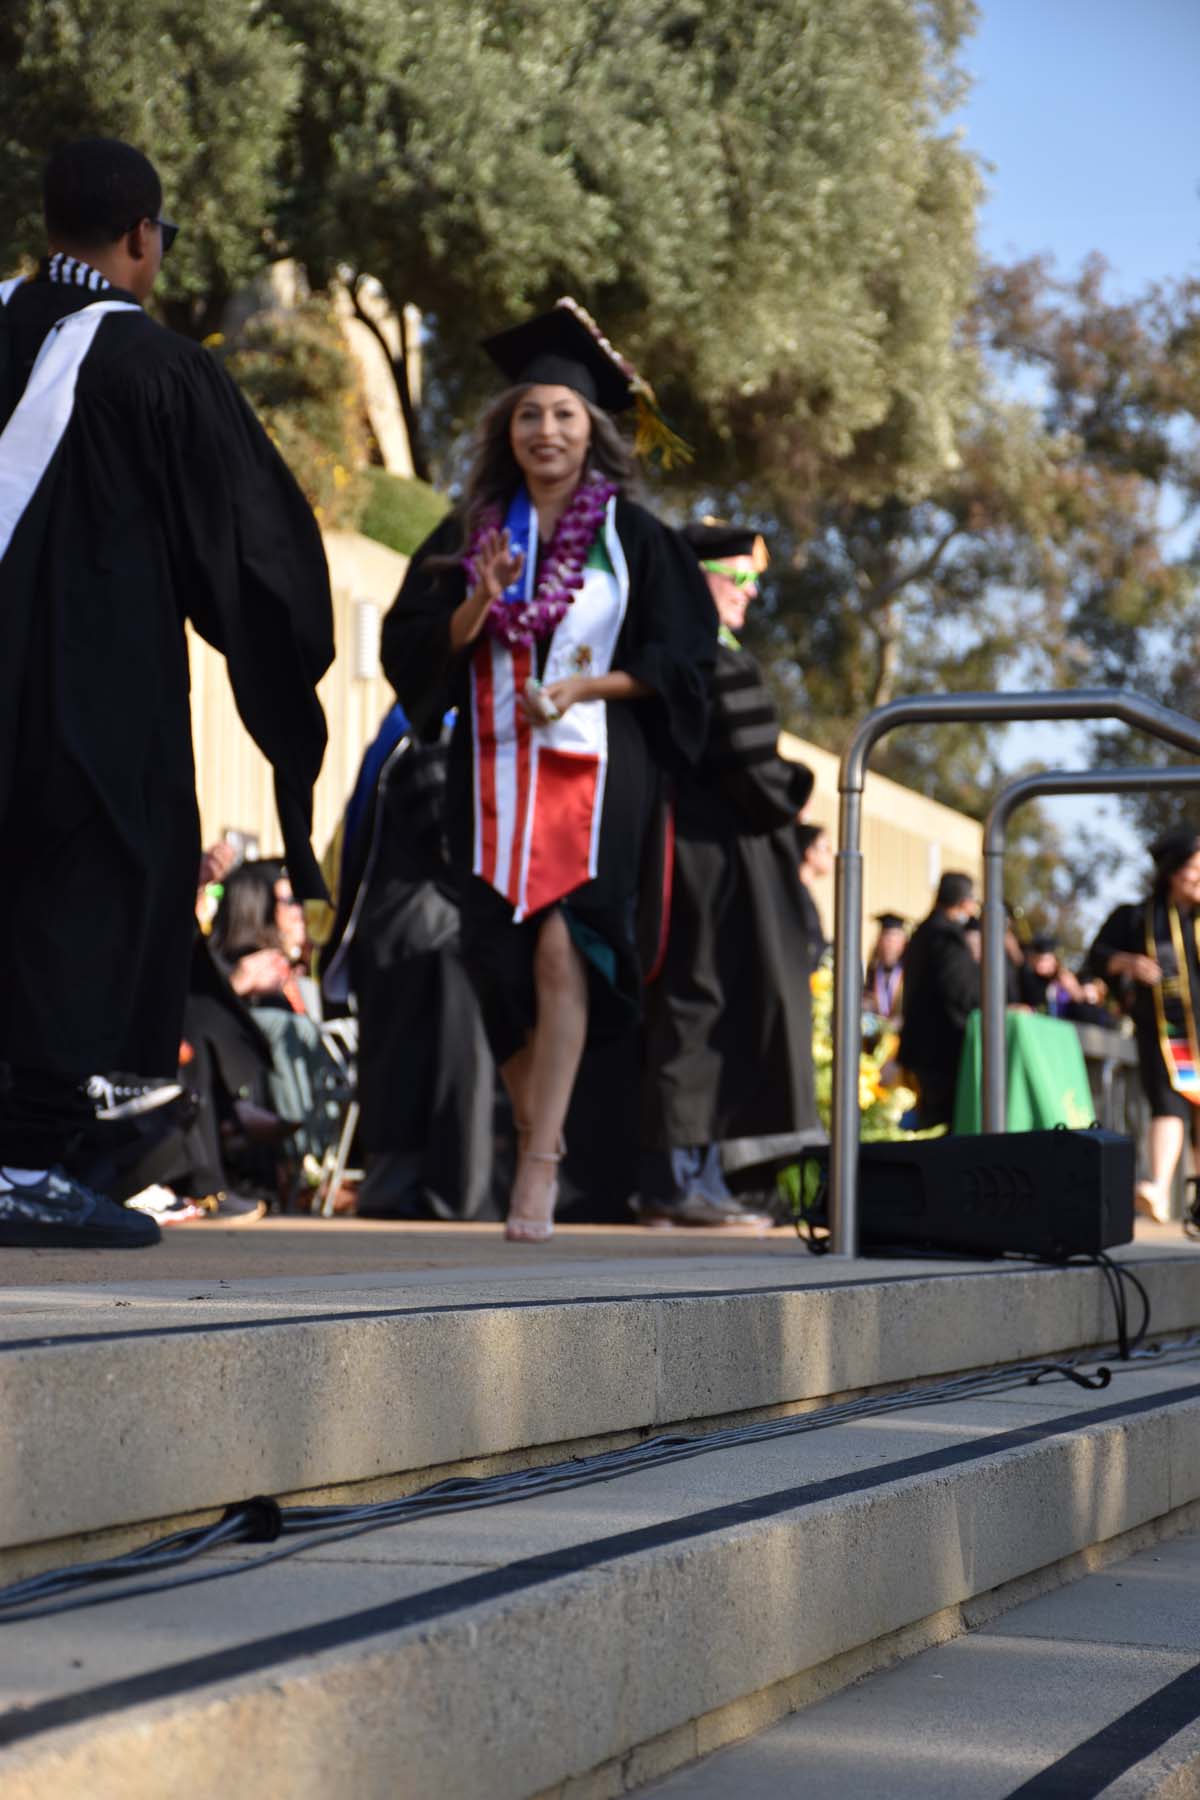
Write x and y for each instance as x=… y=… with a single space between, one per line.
x=206 y=88
x=1059 y=550
x=759 y=201
x=1058 y=547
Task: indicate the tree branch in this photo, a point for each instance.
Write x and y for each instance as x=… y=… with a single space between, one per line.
x=918 y=571
x=399 y=367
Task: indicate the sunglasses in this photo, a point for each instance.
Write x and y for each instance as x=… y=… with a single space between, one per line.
x=741 y=578
x=170 y=231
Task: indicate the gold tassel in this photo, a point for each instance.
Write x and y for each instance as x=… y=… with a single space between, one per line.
x=653 y=437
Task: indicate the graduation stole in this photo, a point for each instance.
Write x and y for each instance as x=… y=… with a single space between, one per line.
x=539 y=789
x=1174 y=1009
x=42 y=414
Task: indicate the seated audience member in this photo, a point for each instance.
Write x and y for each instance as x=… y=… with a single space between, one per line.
x=1092 y=1006
x=1045 y=985
x=941 y=990
x=260 y=944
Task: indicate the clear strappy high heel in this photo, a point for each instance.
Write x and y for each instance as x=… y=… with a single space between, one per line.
x=520 y=1230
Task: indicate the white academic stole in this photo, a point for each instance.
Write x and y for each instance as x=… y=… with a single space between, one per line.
x=42 y=414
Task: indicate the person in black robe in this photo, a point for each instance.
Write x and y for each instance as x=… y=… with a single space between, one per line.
x=426 y=1080
x=814 y=858
x=1148 y=953
x=549 y=574
x=941 y=990
x=137 y=491
x=728 y=1037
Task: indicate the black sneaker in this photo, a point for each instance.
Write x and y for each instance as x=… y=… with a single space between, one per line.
x=128 y=1096
x=57 y=1212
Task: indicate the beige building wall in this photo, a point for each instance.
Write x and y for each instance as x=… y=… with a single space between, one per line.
x=233 y=780
x=907 y=840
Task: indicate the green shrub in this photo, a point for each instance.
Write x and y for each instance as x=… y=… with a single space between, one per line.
x=400 y=512
x=298 y=375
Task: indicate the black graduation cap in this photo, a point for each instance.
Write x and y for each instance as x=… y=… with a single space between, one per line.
x=563 y=348
x=890 y=922
x=566 y=348
x=713 y=539
x=1042 y=942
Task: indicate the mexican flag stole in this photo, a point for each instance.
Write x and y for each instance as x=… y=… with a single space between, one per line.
x=1174 y=1009
x=539 y=789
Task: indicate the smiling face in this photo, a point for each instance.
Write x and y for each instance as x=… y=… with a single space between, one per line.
x=550 y=434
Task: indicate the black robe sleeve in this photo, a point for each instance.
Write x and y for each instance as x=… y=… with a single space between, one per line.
x=764 y=790
x=670 y=639
x=415 y=644
x=1124 y=929
x=956 y=975
x=252 y=578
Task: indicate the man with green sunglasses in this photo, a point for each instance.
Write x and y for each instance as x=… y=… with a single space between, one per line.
x=728 y=1079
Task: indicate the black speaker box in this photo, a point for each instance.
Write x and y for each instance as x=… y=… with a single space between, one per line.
x=1050 y=1194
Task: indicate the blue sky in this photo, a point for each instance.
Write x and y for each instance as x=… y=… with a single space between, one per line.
x=1087 y=111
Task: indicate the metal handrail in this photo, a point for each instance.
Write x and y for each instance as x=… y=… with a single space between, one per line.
x=1024 y=788
x=1128 y=708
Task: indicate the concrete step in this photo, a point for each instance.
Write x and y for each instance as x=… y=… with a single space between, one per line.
x=1093 y=1688
x=133 y=1404
x=579 y=1643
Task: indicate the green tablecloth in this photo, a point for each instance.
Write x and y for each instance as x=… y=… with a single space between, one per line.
x=1047 y=1076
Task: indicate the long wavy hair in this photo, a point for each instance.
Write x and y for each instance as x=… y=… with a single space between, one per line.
x=494 y=474
x=245 y=916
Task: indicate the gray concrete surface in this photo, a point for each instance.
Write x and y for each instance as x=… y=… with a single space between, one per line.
x=168 y=1415
x=508 y=1694
x=993 y=1709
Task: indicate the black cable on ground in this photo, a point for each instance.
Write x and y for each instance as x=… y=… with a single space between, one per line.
x=42 y=1596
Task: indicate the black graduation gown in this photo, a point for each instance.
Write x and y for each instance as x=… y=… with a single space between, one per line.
x=426 y=1079
x=163 y=502
x=728 y=1036
x=941 y=990
x=667 y=640
x=1125 y=929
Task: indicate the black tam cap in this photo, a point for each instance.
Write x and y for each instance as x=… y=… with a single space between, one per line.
x=890 y=922
x=564 y=348
x=1042 y=942
x=714 y=539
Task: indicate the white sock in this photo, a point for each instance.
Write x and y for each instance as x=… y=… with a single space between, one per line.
x=24 y=1177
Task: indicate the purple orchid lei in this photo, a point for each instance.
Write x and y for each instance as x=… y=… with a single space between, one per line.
x=561 y=576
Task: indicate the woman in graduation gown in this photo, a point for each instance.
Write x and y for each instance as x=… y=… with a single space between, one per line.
x=728 y=1058
x=1151 y=949
x=575 y=636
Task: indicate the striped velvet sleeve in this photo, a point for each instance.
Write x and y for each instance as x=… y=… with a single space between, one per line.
x=742 y=750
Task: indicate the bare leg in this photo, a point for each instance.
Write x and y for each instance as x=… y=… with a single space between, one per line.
x=554 y=1052
x=515 y=1075
x=1166 y=1142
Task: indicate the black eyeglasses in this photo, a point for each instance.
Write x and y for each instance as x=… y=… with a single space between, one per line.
x=170 y=231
